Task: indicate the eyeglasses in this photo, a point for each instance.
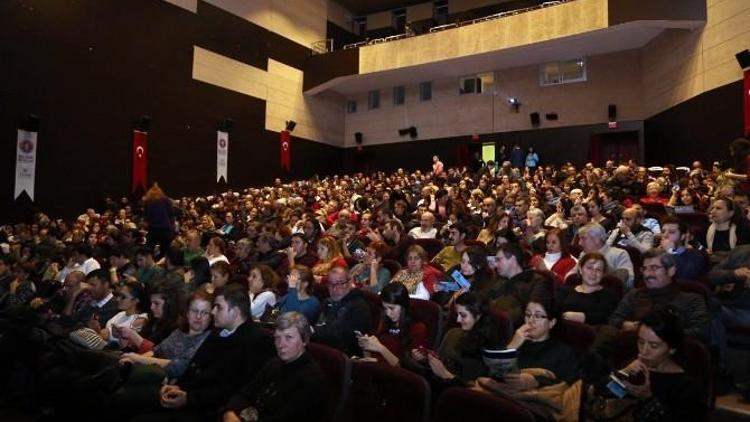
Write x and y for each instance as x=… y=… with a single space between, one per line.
x=535 y=317
x=342 y=283
x=199 y=313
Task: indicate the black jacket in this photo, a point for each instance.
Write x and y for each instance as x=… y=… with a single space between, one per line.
x=339 y=320
x=223 y=364
x=292 y=391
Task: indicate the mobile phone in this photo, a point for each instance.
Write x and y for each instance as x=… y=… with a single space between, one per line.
x=357 y=333
x=636 y=378
x=616 y=387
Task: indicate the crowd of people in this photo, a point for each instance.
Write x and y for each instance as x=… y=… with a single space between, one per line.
x=100 y=311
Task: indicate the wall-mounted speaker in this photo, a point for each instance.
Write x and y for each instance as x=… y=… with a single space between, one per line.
x=290 y=124
x=413 y=132
x=534 y=117
x=226 y=124
x=358 y=137
x=612 y=112
x=551 y=116
x=32 y=123
x=144 y=124
x=743 y=58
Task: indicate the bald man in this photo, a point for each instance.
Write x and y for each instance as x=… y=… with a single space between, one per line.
x=630 y=232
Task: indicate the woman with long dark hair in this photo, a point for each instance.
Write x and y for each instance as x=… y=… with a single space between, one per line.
x=459 y=357
x=397 y=333
x=668 y=393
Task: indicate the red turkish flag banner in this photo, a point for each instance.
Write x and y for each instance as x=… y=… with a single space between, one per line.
x=747 y=102
x=140 y=159
x=285 y=146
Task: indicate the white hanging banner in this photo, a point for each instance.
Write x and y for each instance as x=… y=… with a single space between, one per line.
x=222 y=155
x=25 y=163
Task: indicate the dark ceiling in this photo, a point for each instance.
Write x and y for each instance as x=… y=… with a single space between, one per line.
x=363 y=7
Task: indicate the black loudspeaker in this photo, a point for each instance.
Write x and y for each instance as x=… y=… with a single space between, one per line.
x=551 y=116
x=144 y=125
x=290 y=124
x=32 y=123
x=743 y=58
x=358 y=137
x=403 y=132
x=534 y=118
x=226 y=124
x=413 y=132
x=612 y=112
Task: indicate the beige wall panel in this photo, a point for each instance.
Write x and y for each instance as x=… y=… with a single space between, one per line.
x=191 y=5
x=302 y=21
x=722 y=54
x=613 y=79
x=720 y=12
x=722 y=75
x=532 y=27
x=221 y=71
x=319 y=118
x=729 y=28
x=380 y=20
x=679 y=65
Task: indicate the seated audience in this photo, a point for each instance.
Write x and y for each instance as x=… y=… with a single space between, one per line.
x=459 y=358
x=668 y=393
x=262 y=284
x=370 y=273
x=299 y=295
x=592 y=238
x=556 y=257
x=344 y=312
x=589 y=302
x=419 y=277
x=426 y=229
x=661 y=291
x=450 y=255
x=329 y=257
x=630 y=232
x=225 y=360
x=398 y=333
x=691 y=263
x=289 y=387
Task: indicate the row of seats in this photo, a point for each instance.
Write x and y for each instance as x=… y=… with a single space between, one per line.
x=366 y=391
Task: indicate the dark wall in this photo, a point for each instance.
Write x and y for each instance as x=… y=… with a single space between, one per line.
x=554 y=145
x=340 y=36
x=621 y=11
x=321 y=68
x=91 y=68
x=698 y=129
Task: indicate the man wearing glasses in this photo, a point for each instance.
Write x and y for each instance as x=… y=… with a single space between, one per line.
x=344 y=313
x=661 y=292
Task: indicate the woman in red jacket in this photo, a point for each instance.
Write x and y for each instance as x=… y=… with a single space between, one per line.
x=556 y=259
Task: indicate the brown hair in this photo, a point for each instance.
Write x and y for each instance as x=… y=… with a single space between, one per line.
x=200 y=294
x=154 y=194
x=268 y=275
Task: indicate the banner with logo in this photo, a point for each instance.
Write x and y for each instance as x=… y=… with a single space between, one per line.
x=140 y=159
x=286 y=149
x=222 y=155
x=25 y=163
